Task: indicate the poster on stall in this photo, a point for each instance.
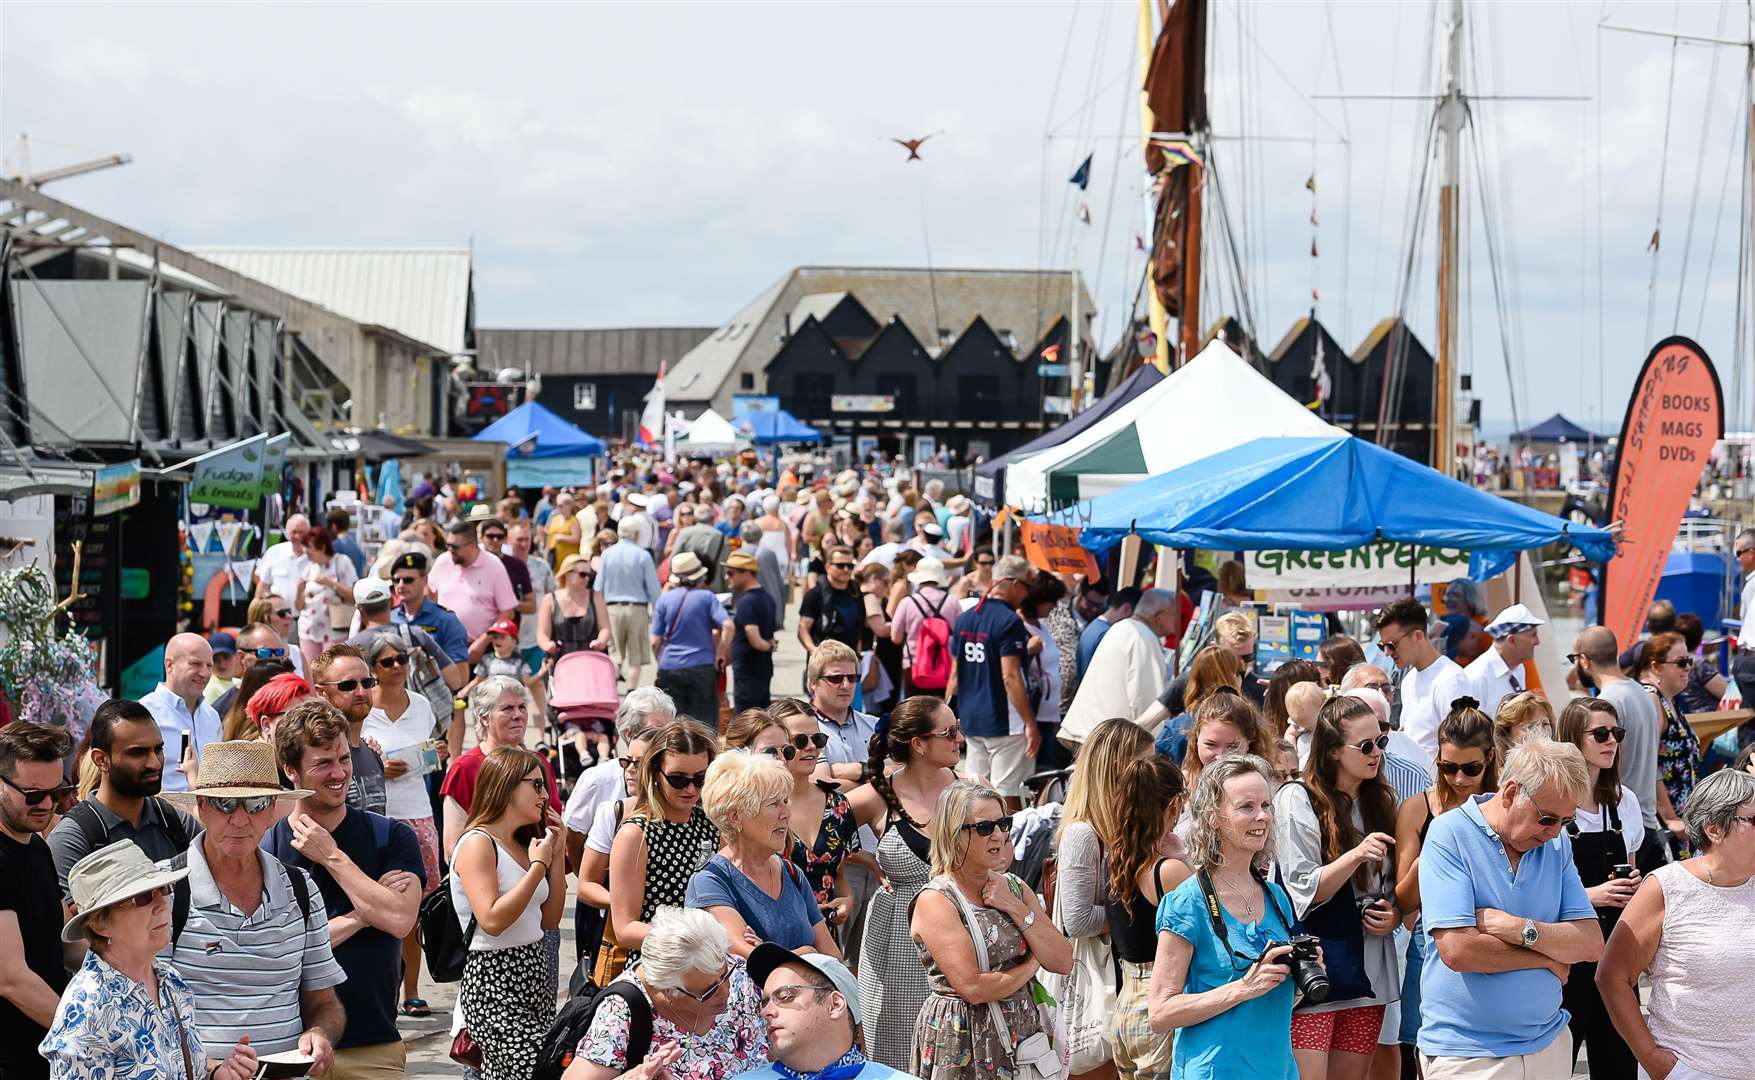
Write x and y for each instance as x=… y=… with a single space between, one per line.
x=116 y=487
x=1382 y=563
x=1288 y=635
x=1673 y=419
x=1056 y=548
x=274 y=461
x=230 y=476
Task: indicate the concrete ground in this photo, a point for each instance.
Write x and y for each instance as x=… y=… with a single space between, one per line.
x=429 y=1040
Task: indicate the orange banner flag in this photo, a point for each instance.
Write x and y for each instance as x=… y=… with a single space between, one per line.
x=1674 y=417
x=1055 y=548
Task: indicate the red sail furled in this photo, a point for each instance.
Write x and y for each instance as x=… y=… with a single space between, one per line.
x=1176 y=94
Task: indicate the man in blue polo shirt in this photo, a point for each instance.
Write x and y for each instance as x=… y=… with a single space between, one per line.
x=408 y=580
x=988 y=646
x=1507 y=919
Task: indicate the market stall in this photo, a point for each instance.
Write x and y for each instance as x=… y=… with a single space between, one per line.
x=542 y=448
x=990 y=475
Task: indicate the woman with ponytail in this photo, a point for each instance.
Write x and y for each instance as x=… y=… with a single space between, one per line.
x=924 y=737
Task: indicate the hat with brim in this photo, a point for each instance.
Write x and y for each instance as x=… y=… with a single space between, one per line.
x=929 y=572
x=481 y=512
x=958 y=504
x=239 y=769
x=687 y=566
x=743 y=560
x=109 y=876
x=1512 y=619
x=637 y=499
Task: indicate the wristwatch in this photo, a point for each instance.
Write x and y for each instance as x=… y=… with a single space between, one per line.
x=1029 y=921
x=1530 y=934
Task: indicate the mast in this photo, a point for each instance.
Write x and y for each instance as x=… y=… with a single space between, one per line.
x=1451 y=117
x=1075 y=363
x=1173 y=109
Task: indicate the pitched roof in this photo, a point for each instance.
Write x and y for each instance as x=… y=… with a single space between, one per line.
x=1024 y=302
x=622 y=351
x=421 y=293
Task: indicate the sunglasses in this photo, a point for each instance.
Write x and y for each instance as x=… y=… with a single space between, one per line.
x=1605 y=734
x=455 y=547
x=283 y=613
x=1381 y=687
x=985 y=828
x=840 y=566
x=710 y=991
x=983 y=562
x=785 y=996
x=1370 y=746
x=1467 y=768
x=1548 y=821
x=146 y=898
x=955 y=731
x=391 y=661
x=684 y=781
x=404 y=580
x=1684 y=663
x=271 y=654
x=255 y=804
x=805 y=742
x=627 y=761
x=839 y=680
x=537 y=782
x=34 y=795
x=787 y=752
x=496 y=537
x=1389 y=647
x=1573 y=658
x=348 y=686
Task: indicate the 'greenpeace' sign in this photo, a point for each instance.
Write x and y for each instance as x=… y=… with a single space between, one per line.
x=1378 y=564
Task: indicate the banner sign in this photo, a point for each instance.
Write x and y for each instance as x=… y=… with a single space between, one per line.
x=116 y=487
x=1380 y=564
x=230 y=476
x=743 y=405
x=274 y=461
x=862 y=403
x=1055 y=548
x=1673 y=419
x=1344 y=599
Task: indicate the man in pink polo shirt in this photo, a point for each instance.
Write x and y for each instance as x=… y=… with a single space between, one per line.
x=472 y=583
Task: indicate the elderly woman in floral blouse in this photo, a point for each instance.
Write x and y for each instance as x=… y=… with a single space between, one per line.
x=126 y=1014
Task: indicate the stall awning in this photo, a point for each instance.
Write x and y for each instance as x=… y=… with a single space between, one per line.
x=990 y=475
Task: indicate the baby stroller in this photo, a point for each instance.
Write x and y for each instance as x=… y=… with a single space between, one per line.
x=582 y=706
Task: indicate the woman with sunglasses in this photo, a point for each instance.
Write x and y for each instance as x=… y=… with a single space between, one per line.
x=1467 y=765
x=924 y=737
x=574 y=617
x=402 y=724
x=705 y=1009
x=275 y=613
x=668 y=837
x=509 y=874
x=1333 y=833
x=750 y=884
x=1606 y=833
x=1663 y=669
x=1219 y=977
x=972 y=898
x=824 y=832
x=606 y=958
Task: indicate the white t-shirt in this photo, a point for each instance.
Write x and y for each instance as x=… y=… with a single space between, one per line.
x=603 y=827
x=283 y=569
x=405 y=796
x=600 y=783
x=1422 y=711
x=1632 y=820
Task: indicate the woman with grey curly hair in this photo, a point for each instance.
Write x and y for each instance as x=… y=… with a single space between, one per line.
x=1220 y=974
x=1691 y=926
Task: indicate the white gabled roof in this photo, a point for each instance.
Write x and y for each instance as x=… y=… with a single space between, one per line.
x=422 y=293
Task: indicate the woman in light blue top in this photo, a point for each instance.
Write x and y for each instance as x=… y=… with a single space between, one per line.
x=1226 y=986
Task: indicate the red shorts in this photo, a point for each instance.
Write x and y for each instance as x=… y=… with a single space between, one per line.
x=1351 y=1031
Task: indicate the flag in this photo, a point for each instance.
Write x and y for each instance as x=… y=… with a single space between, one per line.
x=1051 y=353
x=1177 y=152
x=1313 y=215
x=1319 y=372
x=1139 y=242
x=1653 y=245
x=1084 y=214
x=1310 y=184
x=652 y=416
x=1313 y=248
x=1315 y=295
x=1082 y=176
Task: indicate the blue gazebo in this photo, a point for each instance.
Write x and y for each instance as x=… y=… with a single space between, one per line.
x=542 y=448
x=1554 y=429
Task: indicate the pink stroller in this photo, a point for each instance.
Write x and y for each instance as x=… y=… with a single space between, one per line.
x=582 y=700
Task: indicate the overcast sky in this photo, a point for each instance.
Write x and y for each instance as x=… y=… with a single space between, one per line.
x=659 y=164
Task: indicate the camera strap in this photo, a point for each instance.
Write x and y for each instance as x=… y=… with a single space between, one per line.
x=1216 y=914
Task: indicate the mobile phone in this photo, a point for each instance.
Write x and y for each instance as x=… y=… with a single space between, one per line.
x=1621 y=872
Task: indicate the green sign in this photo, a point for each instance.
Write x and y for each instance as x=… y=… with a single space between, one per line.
x=273 y=462
x=230 y=476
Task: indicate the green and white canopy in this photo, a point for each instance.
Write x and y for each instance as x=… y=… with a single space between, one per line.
x=1214 y=402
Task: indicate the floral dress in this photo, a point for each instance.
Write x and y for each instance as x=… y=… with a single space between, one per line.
x=837 y=838
x=1678 y=755
x=315 y=621
x=107 y=1028
x=954 y=1040
x=737 y=1042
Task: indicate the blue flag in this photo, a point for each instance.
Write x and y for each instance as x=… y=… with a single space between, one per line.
x=1083 y=176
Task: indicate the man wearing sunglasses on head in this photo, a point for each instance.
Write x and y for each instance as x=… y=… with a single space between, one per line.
x=1428 y=680
x=33 y=962
x=186 y=720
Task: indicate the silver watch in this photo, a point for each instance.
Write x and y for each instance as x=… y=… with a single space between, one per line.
x=1029 y=921
x=1530 y=934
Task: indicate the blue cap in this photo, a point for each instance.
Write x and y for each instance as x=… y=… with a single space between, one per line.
x=222 y=643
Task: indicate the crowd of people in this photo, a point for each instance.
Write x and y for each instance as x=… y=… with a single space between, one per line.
x=993 y=835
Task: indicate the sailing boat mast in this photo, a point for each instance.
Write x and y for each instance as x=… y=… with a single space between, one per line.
x=1452 y=112
x=1173 y=110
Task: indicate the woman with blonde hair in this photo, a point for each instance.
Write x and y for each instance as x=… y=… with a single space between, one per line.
x=563 y=529
x=1518 y=717
x=1467 y=765
x=1225 y=723
x=659 y=846
x=750 y=884
x=1213 y=669
x=982 y=937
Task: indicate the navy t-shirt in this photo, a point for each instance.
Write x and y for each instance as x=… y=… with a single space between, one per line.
x=983 y=635
x=754 y=608
x=371 y=958
x=838 y=614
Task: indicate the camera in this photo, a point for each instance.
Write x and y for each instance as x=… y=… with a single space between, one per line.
x=1621 y=872
x=1307 y=972
x=1371 y=900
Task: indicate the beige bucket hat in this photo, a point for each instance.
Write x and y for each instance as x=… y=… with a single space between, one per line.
x=110 y=875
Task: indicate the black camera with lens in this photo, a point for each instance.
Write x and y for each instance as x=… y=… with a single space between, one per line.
x=1307 y=971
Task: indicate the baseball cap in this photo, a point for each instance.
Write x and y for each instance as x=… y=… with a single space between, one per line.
x=767 y=956
x=371 y=590
x=222 y=643
x=1512 y=619
x=504 y=626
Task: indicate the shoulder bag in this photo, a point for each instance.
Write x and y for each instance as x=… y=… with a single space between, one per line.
x=1086 y=996
x=1036 y=1058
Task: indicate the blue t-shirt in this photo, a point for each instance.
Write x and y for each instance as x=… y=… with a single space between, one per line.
x=1089 y=638
x=789 y=922
x=371 y=958
x=446 y=627
x=754 y=608
x=983 y=635
x=1253 y=1039
x=685 y=619
x=871 y=1070
x=1511 y=1013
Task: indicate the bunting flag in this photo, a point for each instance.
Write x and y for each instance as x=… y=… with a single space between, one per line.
x=1313 y=215
x=1653 y=244
x=1082 y=175
x=652 y=417
x=1177 y=153
x=1310 y=184
x=1084 y=214
x=1313 y=247
x=1139 y=242
x=1051 y=353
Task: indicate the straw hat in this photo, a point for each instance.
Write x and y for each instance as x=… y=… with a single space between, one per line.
x=687 y=566
x=742 y=560
x=958 y=504
x=481 y=512
x=240 y=769
x=929 y=572
x=110 y=875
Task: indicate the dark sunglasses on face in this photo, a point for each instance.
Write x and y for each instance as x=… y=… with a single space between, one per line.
x=252 y=805
x=348 y=686
x=684 y=781
x=270 y=654
x=985 y=828
x=391 y=661
x=1371 y=746
x=283 y=613
x=627 y=761
x=1604 y=734
x=1548 y=821
x=404 y=580
x=805 y=742
x=955 y=731
x=1467 y=768
x=146 y=898
x=840 y=566
x=787 y=752
x=494 y=537
x=32 y=796
x=839 y=680
x=1684 y=663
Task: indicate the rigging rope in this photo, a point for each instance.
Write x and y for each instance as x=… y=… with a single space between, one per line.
x=1657 y=234
x=1699 y=171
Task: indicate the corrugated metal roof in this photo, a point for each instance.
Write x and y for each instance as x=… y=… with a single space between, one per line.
x=1025 y=302
x=423 y=293
x=621 y=351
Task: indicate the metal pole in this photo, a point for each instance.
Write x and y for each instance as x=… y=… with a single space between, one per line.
x=1075 y=360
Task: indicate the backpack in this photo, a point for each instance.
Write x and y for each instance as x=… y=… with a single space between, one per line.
x=830 y=623
x=301 y=890
x=557 y=1048
x=443 y=940
x=425 y=679
x=932 y=654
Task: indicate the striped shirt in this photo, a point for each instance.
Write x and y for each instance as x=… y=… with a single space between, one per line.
x=246 y=971
x=1407 y=776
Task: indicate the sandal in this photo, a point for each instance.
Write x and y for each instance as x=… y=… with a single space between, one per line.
x=416 y=1007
